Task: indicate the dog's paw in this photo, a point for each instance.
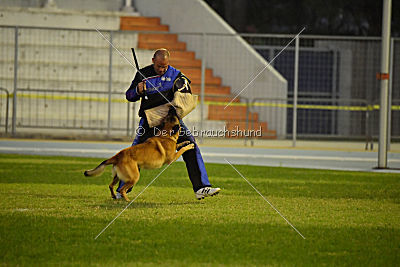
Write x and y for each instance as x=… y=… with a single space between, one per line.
x=184 y=143
x=189 y=147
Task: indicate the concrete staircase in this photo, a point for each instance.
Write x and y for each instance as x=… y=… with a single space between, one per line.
x=186 y=61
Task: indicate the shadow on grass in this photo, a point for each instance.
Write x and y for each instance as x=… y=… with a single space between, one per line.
x=120 y=204
x=36 y=239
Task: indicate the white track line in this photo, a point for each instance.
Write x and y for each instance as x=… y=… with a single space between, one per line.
x=294 y=157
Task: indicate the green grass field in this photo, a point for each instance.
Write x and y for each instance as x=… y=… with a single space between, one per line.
x=51 y=213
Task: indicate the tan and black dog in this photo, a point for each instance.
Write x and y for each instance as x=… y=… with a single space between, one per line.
x=151 y=154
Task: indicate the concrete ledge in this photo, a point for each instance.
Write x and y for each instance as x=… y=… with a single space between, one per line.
x=59 y=18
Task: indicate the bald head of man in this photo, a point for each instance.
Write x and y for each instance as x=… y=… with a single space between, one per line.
x=161 y=61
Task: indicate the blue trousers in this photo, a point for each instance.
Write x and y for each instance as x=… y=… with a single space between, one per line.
x=193 y=159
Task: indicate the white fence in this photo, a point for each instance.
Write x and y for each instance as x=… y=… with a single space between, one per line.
x=74 y=81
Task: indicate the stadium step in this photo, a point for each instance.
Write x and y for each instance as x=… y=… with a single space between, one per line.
x=184 y=63
x=214 y=81
x=177 y=46
x=142 y=24
x=218 y=98
x=242 y=126
x=183 y=55
x=152 y=37
x=212 y=90
x=196 y=72
x=140 y=21
x=231 y=113
x=159 y=28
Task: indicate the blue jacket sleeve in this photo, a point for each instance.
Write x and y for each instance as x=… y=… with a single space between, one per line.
x=131 y=94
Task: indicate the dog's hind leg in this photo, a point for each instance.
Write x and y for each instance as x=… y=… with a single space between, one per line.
x=113 y=183
x=131 y=174
x=125 y=188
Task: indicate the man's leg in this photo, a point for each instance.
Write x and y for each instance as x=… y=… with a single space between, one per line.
x=195 y=166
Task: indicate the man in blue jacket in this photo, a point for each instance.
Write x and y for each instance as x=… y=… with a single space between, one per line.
x=157 y=88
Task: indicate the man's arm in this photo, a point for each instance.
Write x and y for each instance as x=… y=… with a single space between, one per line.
x=134 y=93
x=182 y=83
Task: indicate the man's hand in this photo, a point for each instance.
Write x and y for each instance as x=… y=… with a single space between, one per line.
x=141 y=87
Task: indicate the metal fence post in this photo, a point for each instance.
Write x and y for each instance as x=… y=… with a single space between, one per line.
x=367 y=137
x=384 y=82
x=334 y=92
x=7 y=107
x=295 y=91
x=109 y=85
x=128 y=118
x=390 y=93
x=247 y=119
x=133 y=120
x=203 y=83
x=14 y=110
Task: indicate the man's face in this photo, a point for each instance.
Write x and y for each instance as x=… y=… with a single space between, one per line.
x=160 y=65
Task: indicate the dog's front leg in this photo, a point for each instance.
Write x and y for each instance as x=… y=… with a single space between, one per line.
x=183 y=150
x=182 y=144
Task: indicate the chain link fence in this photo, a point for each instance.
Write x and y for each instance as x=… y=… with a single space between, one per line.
x=73 y=81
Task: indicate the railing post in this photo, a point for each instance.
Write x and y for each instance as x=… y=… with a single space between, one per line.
x=251 y=105
x=384 y=82
x=295 y=90
x=390 y=93
x=109 y=85
x=128 y=7
x=128 y=118
x=14 y=110
x=50 y=4
x=247 y=119
x=133 y=120
x=368 y=134
x=7 y=107
x=203 y=82
x=334 y=114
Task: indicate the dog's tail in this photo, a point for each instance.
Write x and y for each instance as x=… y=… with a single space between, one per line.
x=100 y=169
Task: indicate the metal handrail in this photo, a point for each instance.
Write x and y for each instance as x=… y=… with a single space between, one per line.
x=68 y=91
x=254 y=35
x=362 y=102
x=302 y=99
x=7 y=105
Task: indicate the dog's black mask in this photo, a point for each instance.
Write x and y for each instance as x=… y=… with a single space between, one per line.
x=175 y=129
x=172 y=112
